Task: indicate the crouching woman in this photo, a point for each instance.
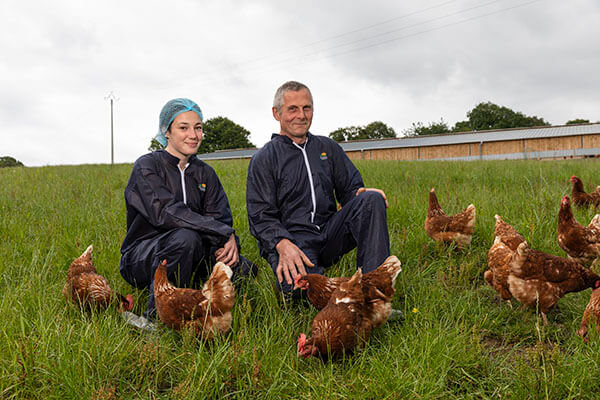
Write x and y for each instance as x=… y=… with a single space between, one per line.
x=177 y=211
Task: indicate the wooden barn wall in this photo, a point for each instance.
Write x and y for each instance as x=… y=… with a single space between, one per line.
x=448 y=151
x=559 y=143
x=505 y=147
x=473 y=149
x=591 y=141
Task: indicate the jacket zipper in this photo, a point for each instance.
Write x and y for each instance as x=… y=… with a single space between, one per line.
x=312 y=188
x=182 y=173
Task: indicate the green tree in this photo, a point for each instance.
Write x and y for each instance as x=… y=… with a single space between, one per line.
x=434 y=128
x=486 y=116
x=9 y=162
x=221 y=133
x=462 y=126
x=218 y=133
x=374 y=130
x=578 y=121
x=378 y=130
x=154 y=145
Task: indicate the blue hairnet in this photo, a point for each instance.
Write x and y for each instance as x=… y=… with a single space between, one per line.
x=168 y=113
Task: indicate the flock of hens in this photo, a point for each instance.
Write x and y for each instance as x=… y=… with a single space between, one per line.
x=350 y=307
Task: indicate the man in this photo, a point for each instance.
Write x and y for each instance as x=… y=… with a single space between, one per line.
x=292 y=187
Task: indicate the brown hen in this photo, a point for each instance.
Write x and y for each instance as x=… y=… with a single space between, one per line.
x=506 y=241
x=580 y=197
x=581 y=243
x=207 y=311
x=444 y=228
x=507 y=234
x=499 y=258
x=378 y=288
x=591 y=314
x=86 y=287
x=539 y=280
x=341 y=325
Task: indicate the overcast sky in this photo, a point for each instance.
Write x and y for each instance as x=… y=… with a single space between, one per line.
x=398 y=62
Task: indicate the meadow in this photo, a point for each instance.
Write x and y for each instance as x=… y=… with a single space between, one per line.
x=458 y=340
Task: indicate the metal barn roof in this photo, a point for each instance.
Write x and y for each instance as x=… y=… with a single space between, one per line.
x=438 y=140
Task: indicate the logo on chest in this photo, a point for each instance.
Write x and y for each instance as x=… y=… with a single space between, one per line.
x=323 y=156
x=202 y=187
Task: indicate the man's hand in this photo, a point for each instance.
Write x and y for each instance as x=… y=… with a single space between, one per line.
x=362 y=190
x=228 y=254
x=291 y=261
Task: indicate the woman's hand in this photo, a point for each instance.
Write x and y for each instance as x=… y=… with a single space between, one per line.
x=228 y=254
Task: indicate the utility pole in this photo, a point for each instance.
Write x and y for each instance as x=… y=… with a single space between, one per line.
x=112 y=98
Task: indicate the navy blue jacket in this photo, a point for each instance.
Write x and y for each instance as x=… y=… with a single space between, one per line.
x=154 y=200
x=278 y=192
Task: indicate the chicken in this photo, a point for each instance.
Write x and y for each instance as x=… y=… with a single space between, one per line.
x=206 y=311
x=538 y=279
x=86 y=287
x=581 y=243
x=378 y=289
x=580 y=197
x=341 y=326
x=443 y=228
x=506 y=241
x=507 y=234
x=499 y=258
x=591 y=314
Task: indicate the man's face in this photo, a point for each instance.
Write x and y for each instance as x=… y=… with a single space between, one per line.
x=295 y=115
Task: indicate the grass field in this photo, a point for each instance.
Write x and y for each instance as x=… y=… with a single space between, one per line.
x=458 y=339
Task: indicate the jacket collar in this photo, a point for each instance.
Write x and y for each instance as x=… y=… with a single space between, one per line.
x=286 y=139
x=171 y=159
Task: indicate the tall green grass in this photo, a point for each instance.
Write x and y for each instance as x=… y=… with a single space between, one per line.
x=458 y=340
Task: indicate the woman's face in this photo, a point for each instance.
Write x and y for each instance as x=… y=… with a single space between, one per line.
x=185 y=135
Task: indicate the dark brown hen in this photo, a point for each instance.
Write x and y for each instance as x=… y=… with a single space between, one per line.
x=580 y=197
x=378 y=288
x=581 y=243
x=341 y=326
x=539 y=280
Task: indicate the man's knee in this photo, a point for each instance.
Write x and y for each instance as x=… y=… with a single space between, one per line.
x=184 y=239
x=372 y=199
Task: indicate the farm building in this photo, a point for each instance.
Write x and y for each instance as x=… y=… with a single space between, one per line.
x=548 y=142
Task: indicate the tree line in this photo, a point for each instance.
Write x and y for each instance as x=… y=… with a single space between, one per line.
x=221 y=133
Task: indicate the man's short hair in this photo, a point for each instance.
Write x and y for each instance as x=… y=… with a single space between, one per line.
x=286 y=87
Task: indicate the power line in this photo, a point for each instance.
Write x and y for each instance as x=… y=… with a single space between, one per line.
x=302 y=59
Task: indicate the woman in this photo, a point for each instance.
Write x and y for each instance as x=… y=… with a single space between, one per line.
x=177 y=211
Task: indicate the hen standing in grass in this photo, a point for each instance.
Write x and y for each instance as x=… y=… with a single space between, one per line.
x=341 y=325
x=444 y=228
x=539 y=280
x=499 y=258
x=591 y=314
x=507 y=234
x=581 y=243
x=378 y=288
x=207 y=311
x=506 y=241
x=580 y=197
x=84 y=286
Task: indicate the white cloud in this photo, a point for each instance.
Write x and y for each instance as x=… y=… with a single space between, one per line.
x=364 y=61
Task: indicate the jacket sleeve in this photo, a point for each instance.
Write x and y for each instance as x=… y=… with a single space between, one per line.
x=346 y=179
x=148 y=194
x=264 y=216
